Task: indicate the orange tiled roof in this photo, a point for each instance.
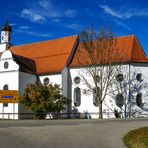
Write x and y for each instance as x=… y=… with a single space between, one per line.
x=49 y=56
x=128 y=46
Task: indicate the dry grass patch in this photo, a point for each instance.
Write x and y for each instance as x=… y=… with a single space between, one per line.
x=137 y=138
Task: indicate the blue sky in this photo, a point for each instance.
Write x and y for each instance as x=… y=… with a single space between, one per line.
x=37 y=20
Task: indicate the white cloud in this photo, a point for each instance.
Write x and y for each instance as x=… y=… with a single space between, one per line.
x=119 y=23
x=71 y=13
x=32 y=16
x=72 y=26
x=108 y=10
x=12 y=24
x=55 y=21
x=25 y=30
x=45 y=10
x=124 y=13
x=43 y=3
x=32 y=33
x=24 y=27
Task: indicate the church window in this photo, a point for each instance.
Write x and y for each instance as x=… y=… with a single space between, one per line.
x=95 y=99
x=139 y=100
x=5 y=104
x=119 y=100
x=77 y=80
x=119 y=77
x=97 y=78
x=77 y=96
x=6 y=64
x=139 y=77
x=46 y=81
x=5 y=87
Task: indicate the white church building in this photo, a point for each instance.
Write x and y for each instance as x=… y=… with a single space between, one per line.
x=56 y=60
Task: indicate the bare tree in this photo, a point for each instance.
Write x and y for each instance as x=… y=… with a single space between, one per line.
x=99 y=59
x=126 y=89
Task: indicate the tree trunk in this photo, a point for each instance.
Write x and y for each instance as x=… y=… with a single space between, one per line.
x=100 y=111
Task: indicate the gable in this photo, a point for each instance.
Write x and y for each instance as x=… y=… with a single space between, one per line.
x=128 y=48
x=138 y=54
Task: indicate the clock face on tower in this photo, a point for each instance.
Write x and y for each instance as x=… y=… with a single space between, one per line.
x=5 y=36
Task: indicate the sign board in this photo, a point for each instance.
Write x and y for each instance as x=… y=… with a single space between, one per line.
x=9 y=96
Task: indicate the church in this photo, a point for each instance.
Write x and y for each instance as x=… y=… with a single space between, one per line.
x=56 y=61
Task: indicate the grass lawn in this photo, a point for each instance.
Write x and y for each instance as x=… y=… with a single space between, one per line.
x=137 y=138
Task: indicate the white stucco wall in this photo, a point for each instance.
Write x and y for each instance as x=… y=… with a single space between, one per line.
x=143 y=69
x=9 y=112
x=24 y=79
x=109 y=103
x=10 y=77
x=3 y=47
x=54 y=79
x=86 y=100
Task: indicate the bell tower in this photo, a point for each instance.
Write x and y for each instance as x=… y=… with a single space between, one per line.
x=6 y=32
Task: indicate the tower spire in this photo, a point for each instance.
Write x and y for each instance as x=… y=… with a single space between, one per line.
x=6 y=20
x=6 y=32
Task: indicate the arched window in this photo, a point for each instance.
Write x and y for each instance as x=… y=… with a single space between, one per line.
x=119 y=100
x=139 y=100
x=5 y=87
x=119 y=77
x=77 y=96
x=95 y=99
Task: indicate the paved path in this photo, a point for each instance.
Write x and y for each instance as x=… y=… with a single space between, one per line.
x=66 y=133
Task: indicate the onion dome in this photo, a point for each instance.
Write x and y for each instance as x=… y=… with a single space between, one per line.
x=6 y=26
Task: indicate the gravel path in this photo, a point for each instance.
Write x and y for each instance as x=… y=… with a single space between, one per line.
x=66 y=133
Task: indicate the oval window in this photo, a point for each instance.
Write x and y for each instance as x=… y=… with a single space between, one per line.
x=119 y=100
x=5 y=87
x=46 y=81
x=97 y=78
x=77 y=80
x=139 y=100
x=139 y=77
x=95 y=99
x=77 y=96
x=119 y=77
x=6 y=65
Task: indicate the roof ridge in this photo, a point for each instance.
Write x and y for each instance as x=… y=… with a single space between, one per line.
x=44 y=41
x=130 y=35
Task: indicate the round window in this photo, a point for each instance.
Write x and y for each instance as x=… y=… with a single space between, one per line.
x=6 y=65
x=139 y=77
x=77 y=80
x=97 y=78
x=5 y=87
x=46 y=81
x=119 y=77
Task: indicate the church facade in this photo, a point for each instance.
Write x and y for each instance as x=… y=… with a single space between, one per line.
x=55 y=61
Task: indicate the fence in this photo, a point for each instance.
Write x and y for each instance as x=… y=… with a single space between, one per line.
x=84 y=115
